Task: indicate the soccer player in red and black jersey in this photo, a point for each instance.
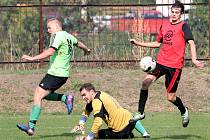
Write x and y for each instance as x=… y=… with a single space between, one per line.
x=173 y=36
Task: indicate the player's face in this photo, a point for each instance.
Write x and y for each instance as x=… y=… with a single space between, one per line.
x=51 y=27
x=87 y=96
x=175 y=15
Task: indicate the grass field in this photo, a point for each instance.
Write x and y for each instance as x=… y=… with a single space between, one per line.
x=162 y=121
x=162 y=125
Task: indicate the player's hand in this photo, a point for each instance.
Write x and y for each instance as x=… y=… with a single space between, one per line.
x=199 y=64
x=27 y=58
x=78 y=128
x=87 y=52
x=81 y=138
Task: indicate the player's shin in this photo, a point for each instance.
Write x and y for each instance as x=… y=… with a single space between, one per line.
x=139 y=127
x=142 y=100
x=35 y=113
x=180 y=105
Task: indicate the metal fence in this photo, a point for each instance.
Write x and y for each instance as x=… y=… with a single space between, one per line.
x=104 y=28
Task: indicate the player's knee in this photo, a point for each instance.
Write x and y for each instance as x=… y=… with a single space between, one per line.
x=37 y=98
x=171 y=97
x=146 y=83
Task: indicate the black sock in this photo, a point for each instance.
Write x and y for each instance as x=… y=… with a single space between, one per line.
x=59 y=97
x=53 y=97
x=32 y=124
x=142 y=100
x=179 y=104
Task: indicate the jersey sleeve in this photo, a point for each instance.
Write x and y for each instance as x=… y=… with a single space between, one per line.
x=160 y=36
x=74 y=40
x=88 y=110
x=97 y=122
x=97 y=108
x=187 y=32
x=55 y=41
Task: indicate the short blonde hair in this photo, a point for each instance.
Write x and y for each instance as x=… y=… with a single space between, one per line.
x=56 y=21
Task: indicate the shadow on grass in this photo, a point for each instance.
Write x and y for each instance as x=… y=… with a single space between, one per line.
x=179 y=137
x=60 y=135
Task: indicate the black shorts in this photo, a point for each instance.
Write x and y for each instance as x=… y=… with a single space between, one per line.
x=172 y=76
x=126 y=133
x=50 y=82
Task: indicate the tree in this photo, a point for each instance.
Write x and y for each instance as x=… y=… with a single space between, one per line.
x=198 y=21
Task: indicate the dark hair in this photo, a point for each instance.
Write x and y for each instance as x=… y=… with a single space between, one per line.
x=87 y=86
x=178 y=4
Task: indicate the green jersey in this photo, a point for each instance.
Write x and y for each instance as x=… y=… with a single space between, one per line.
x=63 y=43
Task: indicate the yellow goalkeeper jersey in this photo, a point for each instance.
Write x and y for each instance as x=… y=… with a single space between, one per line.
x=105 y=107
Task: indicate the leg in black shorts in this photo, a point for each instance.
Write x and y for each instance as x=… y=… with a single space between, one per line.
x=126 y=133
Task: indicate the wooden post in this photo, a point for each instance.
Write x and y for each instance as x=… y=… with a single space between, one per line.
x=209 y=34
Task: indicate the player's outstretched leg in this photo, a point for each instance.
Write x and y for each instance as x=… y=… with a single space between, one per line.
x=185 y=118
x=69 y=103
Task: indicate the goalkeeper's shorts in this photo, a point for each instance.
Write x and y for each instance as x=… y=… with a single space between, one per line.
x=126 y=133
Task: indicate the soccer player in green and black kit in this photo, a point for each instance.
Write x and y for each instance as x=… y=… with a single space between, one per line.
x=60 y=51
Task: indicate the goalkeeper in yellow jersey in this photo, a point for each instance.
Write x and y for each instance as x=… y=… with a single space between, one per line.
x=106 y=108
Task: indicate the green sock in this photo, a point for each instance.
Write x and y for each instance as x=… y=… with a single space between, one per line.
x=36 y=110
x=53 y=96
x=63 y=98
x=139 y=127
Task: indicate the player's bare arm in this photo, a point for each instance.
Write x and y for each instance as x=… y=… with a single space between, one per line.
x=199 y=64
x=84 y=48
x=43 y=55
x=145 y=44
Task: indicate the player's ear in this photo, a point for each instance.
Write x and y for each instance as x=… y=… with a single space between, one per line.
x=92 y=92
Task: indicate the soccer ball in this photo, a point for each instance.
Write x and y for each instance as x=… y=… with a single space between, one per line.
x=147 y=64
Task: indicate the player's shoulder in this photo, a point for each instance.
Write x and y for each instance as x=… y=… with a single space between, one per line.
x=184 y=23
x=185 y=26
x=100 y=96
x=96 y=103
x=61 y=33
x=165 y=23
x=58 y=35
x=104 y=95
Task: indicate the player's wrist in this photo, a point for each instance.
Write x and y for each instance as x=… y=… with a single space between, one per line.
x=90 y=136
x=82 y=120
x=194 y=60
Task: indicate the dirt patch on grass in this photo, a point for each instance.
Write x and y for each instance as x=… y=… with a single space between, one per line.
x=16 y=90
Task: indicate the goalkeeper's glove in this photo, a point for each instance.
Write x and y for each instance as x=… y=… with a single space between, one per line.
x=80 y=126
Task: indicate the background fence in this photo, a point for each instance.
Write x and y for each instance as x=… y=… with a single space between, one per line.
x=105 y=27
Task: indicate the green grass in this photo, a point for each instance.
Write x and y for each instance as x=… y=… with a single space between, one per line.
x=161 y=125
